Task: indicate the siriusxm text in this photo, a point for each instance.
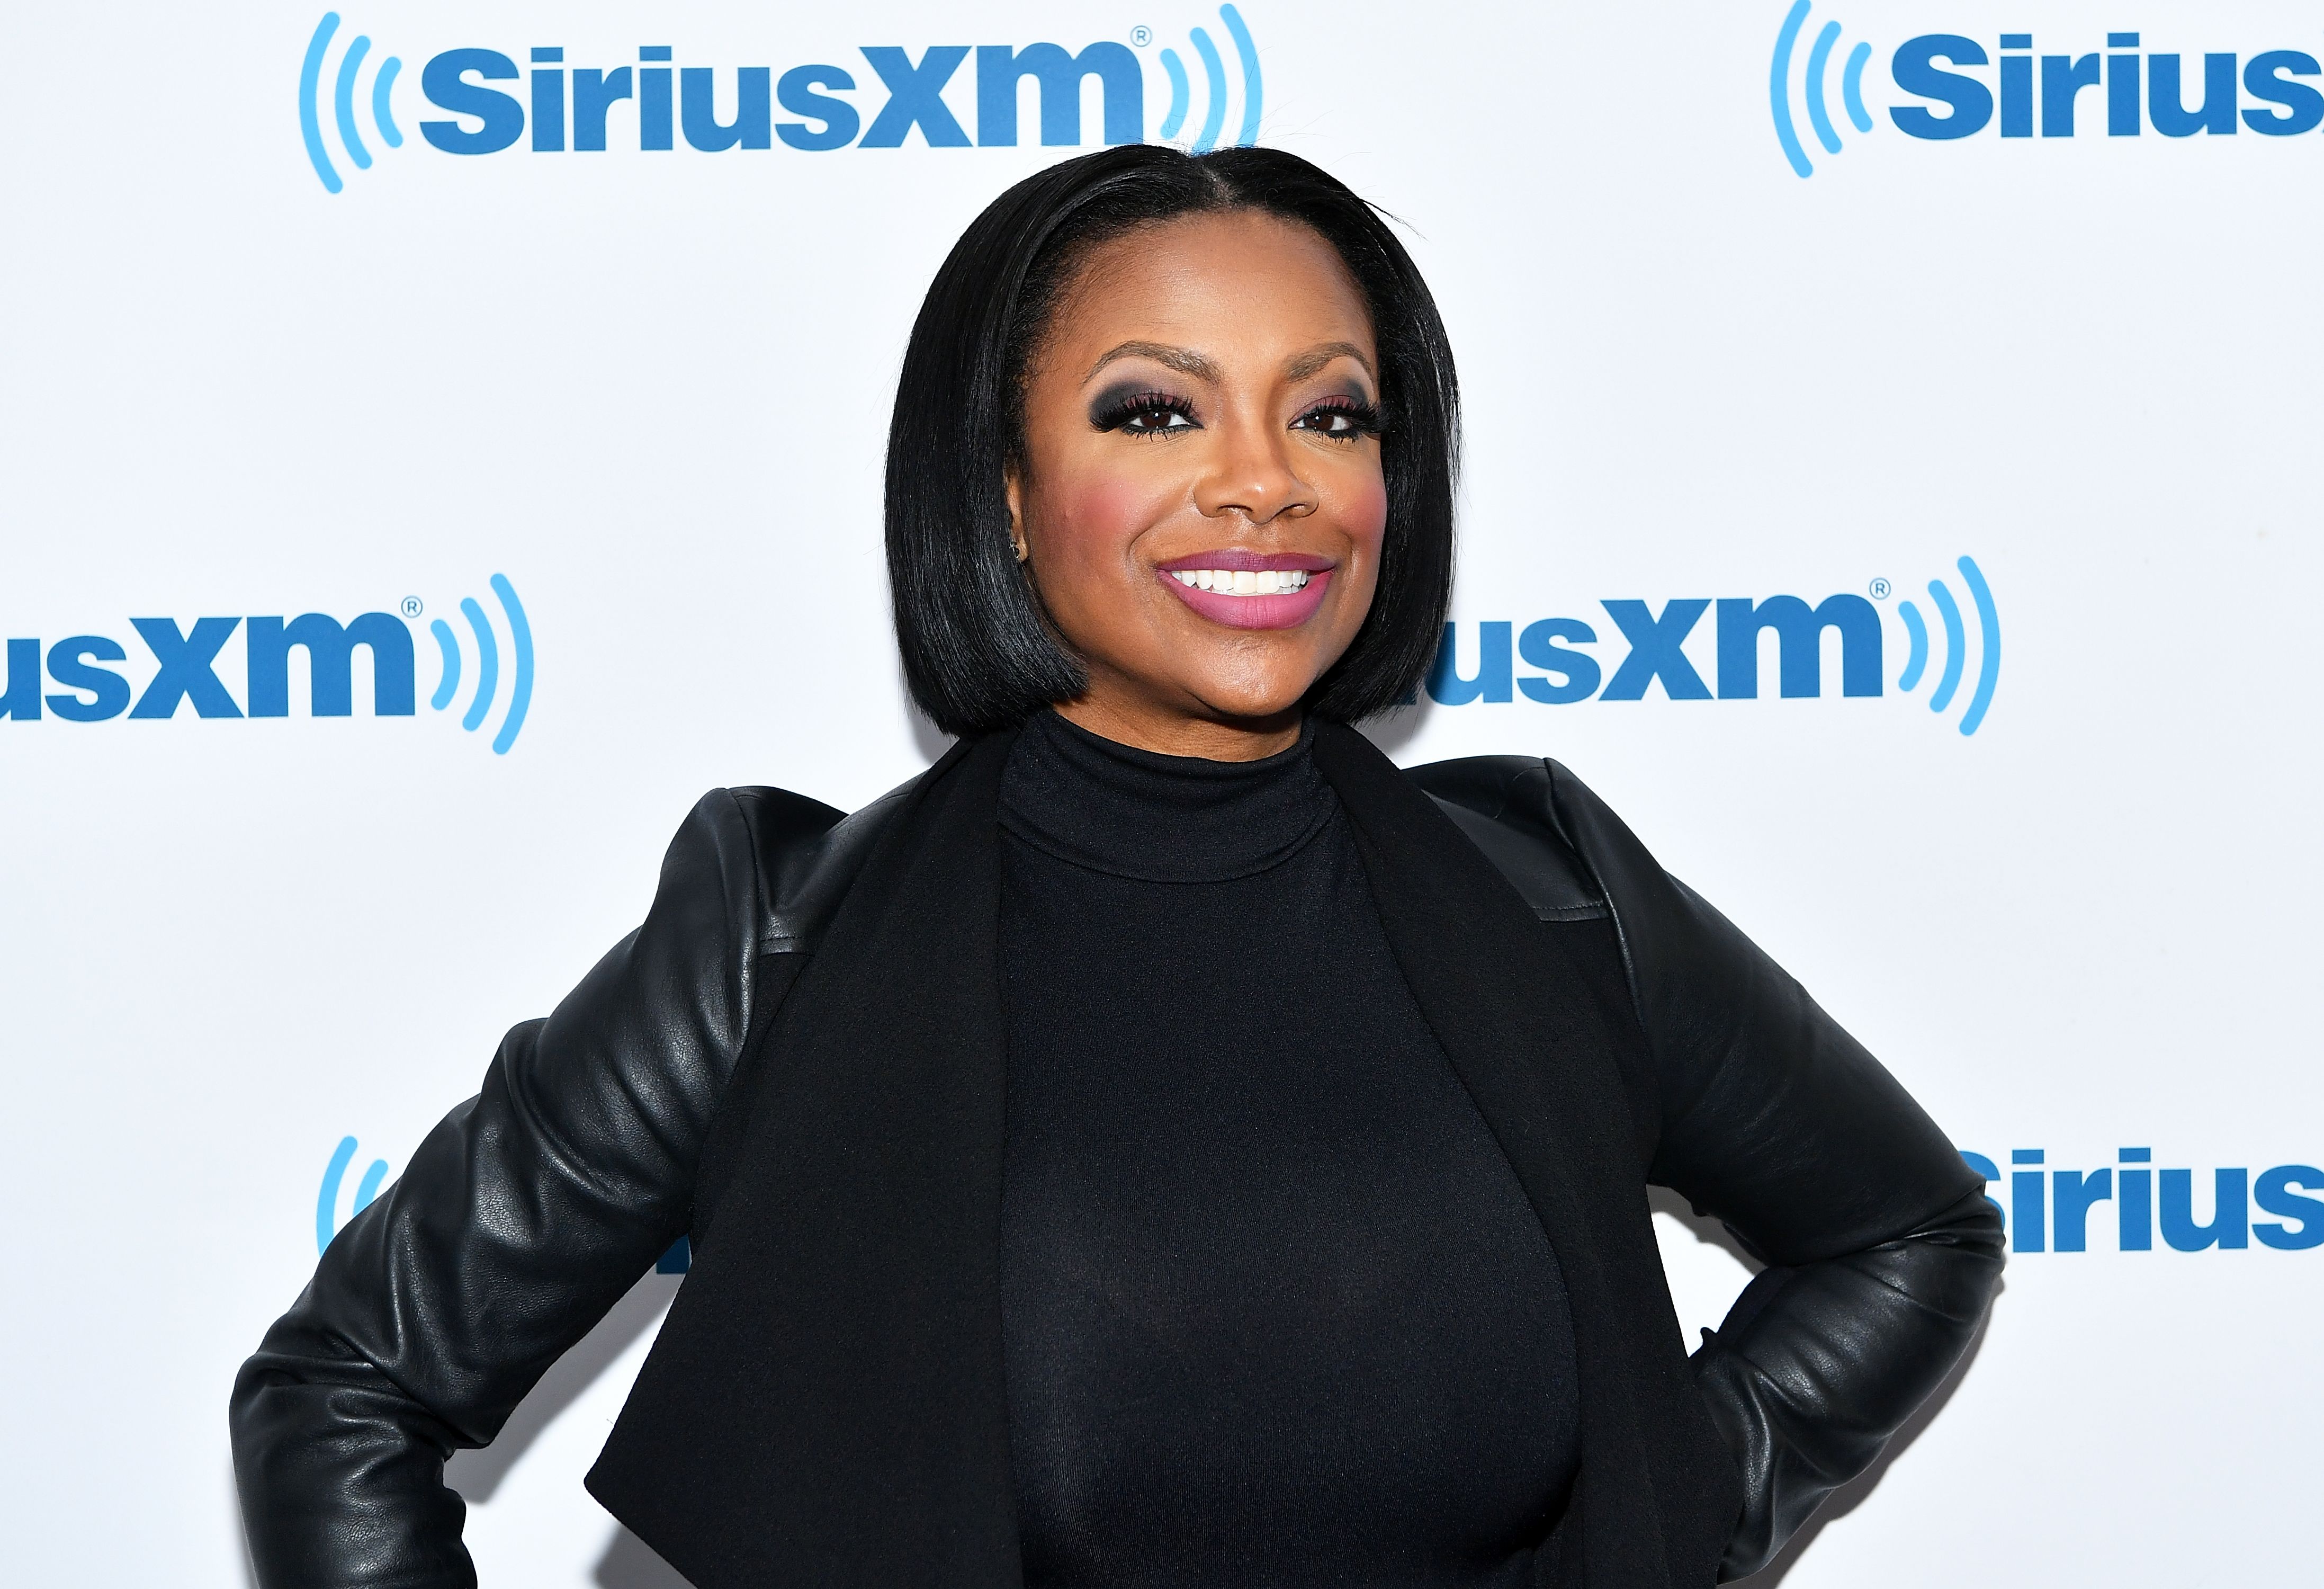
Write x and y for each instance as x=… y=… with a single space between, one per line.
x=2055 y=1210
x=2067 y=86
x=1555 y=661
x=91 y=689
x=655 y=102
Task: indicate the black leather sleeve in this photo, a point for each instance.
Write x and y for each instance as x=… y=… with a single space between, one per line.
x=1884 y=1254
x=518 y=1222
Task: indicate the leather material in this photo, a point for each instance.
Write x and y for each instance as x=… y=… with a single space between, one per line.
x=1774 y=1119
x=603 y=1132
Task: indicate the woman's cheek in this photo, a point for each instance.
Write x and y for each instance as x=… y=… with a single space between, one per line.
x=1101 y=512
x=1364 y=511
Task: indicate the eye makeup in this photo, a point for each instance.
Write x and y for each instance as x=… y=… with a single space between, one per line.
x=1140 y=411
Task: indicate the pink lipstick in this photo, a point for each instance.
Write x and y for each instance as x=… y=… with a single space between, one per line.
x=1249 y=590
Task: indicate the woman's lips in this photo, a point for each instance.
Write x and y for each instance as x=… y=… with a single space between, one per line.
x=1286 y=609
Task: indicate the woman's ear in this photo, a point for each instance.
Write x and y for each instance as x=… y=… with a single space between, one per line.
x=1016 y=512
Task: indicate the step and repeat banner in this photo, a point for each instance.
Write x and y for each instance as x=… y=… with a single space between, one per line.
x=439 y=441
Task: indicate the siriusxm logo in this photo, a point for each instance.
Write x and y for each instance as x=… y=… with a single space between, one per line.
x=186 y=662
x=2049 y=1210
x=329 y=1202
x=656 y=103
x=1569 y=673
x=2036 y=95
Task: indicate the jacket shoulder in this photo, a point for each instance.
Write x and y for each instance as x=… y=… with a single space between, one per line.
x=1506 y=807
x=806 y=855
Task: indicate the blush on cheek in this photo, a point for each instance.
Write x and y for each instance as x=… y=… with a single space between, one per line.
x=1099 y=513
x=1363 y=513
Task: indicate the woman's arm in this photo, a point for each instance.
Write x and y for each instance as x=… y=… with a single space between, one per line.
x=518 y=1222
x=1882 y=1253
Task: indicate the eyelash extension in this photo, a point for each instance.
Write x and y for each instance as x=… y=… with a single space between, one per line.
x=1117 y=415
x=1363 y=417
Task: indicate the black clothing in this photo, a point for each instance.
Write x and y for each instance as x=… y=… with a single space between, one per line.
x=798 y=1057
x=1274 y=1309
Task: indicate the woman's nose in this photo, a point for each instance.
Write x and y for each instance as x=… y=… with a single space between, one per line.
x=1251 y=472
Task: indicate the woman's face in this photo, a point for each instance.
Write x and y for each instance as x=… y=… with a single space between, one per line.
x=1201 y=503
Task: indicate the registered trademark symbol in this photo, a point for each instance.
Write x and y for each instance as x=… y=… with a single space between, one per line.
x=1141 y=37
x=414 y=606
x=1880 y=590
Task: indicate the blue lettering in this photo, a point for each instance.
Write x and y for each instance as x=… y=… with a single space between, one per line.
x=653 y=99
x=2303 y=106
x=2137 y=1208
x=797 y=91
x=2073 y=1194
x=915 y=97
x=754 y=112
x=330 y=652
x=2122 y=88
x=2016 y=91
x=999 y=70
x=70 y=665
x=2273 y=1192
x=1991 y=1171
x=1538 y=646
x=185 y=672
x=2062 y=77
x=2172 y=119
x=547 y=103
x=1654 y=649
x=21 y=703
x=1799 y=631
x=1915 y=68
x=2228 y=1216
x=444 y=80
x=1446 y=688
x=594 y=93
x=2028 y=1218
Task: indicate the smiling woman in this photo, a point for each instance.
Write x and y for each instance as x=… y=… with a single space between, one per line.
x=1165 y=1144
x=1136 y=350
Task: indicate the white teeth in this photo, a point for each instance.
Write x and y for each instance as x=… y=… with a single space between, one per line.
x=1243 y=581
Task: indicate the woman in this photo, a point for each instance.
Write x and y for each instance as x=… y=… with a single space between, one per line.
x=1163 y=1144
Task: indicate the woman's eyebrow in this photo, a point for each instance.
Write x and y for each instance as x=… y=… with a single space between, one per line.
x=1316 y=358
x=1183 y=360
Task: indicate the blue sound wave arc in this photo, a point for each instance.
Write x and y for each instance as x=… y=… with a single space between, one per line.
x=1819 y=116
x=343 y=101
x=1956 y=645
x=1215 y=71
x=1988 y=621
x=1177 y=118
x=368 y=1187
x=450 y=648
x=1917 y=633
x=1254 y=93
x=384 y=84
x=1779 y=89
x=327 y=1201
x=488 y=664
x=310 y=81
x=521 y=695
x=1851 y=87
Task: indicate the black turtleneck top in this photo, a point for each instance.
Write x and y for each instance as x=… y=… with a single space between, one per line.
x=1275 y=1309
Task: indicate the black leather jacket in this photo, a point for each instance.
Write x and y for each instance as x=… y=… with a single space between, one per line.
x=533 y=1207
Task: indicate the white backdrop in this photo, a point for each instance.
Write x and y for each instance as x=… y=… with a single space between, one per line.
x=649 y=388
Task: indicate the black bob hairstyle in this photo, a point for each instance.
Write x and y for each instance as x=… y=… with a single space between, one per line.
x=978 y=654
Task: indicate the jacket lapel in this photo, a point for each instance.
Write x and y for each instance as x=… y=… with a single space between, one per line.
x=1537 y=1055
x=824 y=1404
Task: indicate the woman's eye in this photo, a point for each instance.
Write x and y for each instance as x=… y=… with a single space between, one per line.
x=1157 y=418
x=1341 y=421
x=1146 y=413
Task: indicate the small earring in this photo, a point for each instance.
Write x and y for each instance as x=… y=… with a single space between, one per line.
x=1022 y=551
